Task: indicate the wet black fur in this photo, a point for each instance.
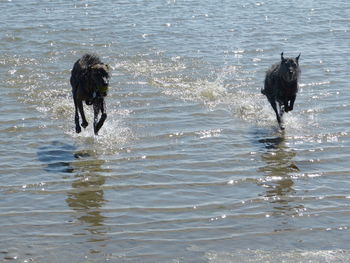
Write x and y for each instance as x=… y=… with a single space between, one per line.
x=89 y=75
x=281 y=86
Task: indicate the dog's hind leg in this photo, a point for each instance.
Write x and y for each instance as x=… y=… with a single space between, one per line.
x=99 y=105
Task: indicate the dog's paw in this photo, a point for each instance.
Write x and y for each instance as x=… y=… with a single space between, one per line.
x=78 y=129
x=96 y=129
x=84 y=124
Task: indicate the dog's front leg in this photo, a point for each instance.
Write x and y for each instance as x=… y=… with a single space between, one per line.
x=281 y=111
x=291 y=103
x=84 y=124
x=278 y=110
x=99 y=104
x=274 y=106
x=76 y=118
x=97 y=108
x=286 y=105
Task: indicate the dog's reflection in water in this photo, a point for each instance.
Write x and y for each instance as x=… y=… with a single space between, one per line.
x=279 y=169
x=86 y=196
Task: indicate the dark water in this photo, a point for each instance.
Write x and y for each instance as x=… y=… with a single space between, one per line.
x=190 y=165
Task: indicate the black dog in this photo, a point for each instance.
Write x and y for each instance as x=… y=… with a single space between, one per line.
x=89 y=80
x=281 y=86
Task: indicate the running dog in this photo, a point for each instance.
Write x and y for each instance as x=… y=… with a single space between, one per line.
x=90 y=79
x=281 y=86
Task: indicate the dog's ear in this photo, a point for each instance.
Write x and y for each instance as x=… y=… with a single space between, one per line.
x=297 y=58
x=282 y=58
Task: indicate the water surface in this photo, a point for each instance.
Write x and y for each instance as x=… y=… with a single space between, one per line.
x=190 y=165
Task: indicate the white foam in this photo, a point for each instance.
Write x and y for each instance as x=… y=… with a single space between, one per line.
x=113 y=135
x=57 y=104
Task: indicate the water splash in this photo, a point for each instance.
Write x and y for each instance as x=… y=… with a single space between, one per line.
x=231 y=88
x=50 y=93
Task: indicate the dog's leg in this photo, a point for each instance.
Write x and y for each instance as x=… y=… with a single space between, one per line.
x=84 y=124
x=99 y=105
x=286 y=105
x=278 y=110
x=291 y=103
x=76 y=118
x=281 y=110
x=96 y=106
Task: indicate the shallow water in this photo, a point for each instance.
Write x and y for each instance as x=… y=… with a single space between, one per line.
x=190 y=165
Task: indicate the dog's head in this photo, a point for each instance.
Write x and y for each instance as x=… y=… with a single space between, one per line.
x=289 y=68
x=100 y=74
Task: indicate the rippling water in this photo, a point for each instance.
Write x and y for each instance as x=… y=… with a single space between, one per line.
x=190 y=165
